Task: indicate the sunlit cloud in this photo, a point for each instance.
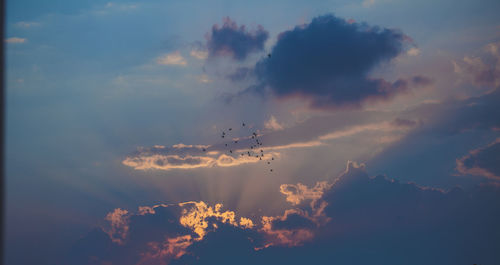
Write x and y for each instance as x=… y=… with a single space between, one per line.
x=272 y=124
x=118 y=220
x=174 y=58
x=146 y=161
x=228 y=154
x=396 y=125
x=297 y=193
x=483 y=162
x=199 y=54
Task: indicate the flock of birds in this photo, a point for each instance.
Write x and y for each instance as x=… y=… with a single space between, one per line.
x=255 y=149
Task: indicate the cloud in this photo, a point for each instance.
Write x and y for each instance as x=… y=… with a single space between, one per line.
x=174 y=58
x=199 y=54
x=272 y=124
x=357 y=220
x=483 y=161
x=297 y=193
x=229 y=153
x=15 y=40
x=413 y=51
x=183 y=156
x=157 y=234
x=483 y=70
x=328 y=62
x=233 y=41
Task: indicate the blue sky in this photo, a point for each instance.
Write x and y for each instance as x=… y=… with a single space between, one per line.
x=109 y=105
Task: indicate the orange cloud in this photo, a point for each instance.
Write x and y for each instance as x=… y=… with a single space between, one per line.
x=296 y=193
x=119 y=225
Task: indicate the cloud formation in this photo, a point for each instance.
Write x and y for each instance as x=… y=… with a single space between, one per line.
x=183 y=156
x=482 y=71
x=235 y=42
x=354 y=219
x=483 y=161
x=328 y=61
x=275 y=139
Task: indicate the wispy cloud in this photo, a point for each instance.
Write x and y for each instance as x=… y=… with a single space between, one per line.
x=483 y=162
x=174 y=58
x=27 y=24
x=15 y=40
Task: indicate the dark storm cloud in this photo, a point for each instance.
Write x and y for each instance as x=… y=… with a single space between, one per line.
x=369 y=220
x=482 y=161
x=235 y=42
x=329 y=60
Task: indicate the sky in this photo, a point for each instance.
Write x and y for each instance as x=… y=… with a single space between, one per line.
x=233 y=132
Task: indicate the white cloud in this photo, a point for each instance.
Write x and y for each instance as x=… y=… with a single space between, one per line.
x=15 y=40
x=174 y=58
